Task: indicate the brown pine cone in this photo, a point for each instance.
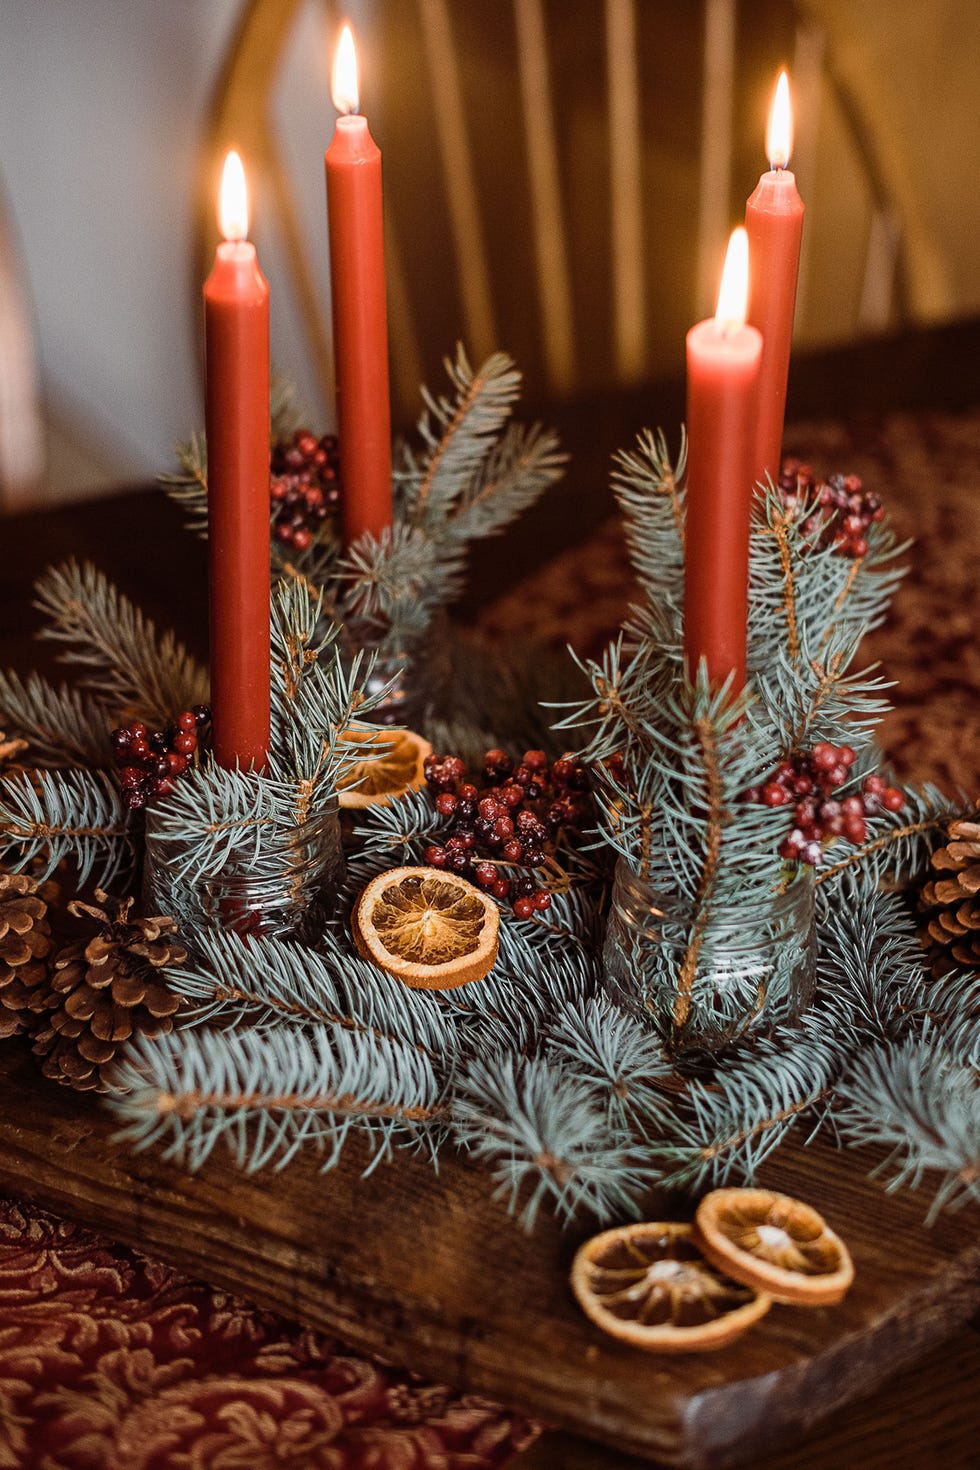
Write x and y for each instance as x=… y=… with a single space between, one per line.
x=106 y=988
x=951 y=900
x=25 y=947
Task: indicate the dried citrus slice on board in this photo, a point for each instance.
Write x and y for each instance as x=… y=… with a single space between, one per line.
x=650 y=1286
x=431 y=929
x=392 y=765
x=775 y=1243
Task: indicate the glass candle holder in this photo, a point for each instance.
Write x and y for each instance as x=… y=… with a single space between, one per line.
x=749 y=966
x=285 y=889
x=417 y=675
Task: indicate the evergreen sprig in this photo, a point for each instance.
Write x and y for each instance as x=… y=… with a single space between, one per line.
x=545 y=1135
x=265 y=982
x=470 y=474
x=62 y=725
x=120 y=656
x=265 y=1093
x=48 y=816
x=922 y=1101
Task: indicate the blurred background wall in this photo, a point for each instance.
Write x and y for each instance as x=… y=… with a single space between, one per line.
x=561 y=176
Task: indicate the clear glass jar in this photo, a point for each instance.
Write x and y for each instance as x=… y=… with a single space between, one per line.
x=308 y=869
x=419 y=675
x=752 y=966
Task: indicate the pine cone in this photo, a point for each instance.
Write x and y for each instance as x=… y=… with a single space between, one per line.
x=106 y=988
x=952 y=900
x=25 y=944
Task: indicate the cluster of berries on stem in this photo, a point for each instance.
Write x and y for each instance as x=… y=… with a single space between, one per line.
x=150 y=762
x=511 y=822
x=839 y=512
x=304 y=487
x=808 y=782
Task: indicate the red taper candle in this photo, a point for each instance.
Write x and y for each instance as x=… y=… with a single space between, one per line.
x=236 y=315
x=723 y=358
x=360 y=318
x=774 y=221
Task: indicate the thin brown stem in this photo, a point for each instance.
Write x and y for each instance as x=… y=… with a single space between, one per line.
x=842 y=597
x=712 y=856
x=556 y=1168
x=21 y=832
x=669 y=484
x=829 y=677
x=187 y=1104
x=780 y=525
x=611 y=699
x=646 y=837
x=895 y=835
x=472 y=393
x=737 y=1139
x=225 y=993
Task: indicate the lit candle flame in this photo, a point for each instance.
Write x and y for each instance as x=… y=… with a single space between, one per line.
x=733 y=294
x=233 y=201
x=343 y=82
x=779 y=133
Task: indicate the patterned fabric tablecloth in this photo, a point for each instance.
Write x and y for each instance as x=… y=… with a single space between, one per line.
x=111 y=1361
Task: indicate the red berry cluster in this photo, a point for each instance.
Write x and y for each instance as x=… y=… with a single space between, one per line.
x=149 y=763
x=510 y=821
x=808 y=782
x=305 y=487
x=840 y=513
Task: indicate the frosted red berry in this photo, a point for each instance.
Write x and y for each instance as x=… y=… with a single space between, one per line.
x=515 y=818
x=808 y=782
x=149 y=760
x=304 y=487
x=840 y=512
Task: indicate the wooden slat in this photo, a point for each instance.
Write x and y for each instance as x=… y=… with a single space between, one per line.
x=458 y=175
x=550 y=247
x=921 y=1420
x=714 y=215
x=428 y=1270
x=626 y=189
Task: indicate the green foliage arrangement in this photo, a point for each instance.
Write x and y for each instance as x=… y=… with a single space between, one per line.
x=568 y=1100
x=472 y=472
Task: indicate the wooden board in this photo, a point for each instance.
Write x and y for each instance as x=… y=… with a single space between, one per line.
x=428 y=1270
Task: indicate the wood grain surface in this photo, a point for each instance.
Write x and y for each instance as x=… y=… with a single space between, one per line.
x=429 y=1271
x=924 y=1419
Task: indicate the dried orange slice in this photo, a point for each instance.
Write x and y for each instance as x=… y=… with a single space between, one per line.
x=378 y=779
x=775 y=1243
x=650 y=1286
x=431 y=929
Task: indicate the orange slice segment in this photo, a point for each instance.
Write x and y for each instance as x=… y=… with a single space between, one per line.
x=775 y=1243
x=431 y=929
x=379 y=778
x=650 y=1286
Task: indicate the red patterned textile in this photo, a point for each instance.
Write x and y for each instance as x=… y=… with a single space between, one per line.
x=111 y=1361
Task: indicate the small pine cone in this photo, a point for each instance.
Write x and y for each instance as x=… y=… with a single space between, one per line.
x=25 y=945
x=106 y=988
x=951 y=899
